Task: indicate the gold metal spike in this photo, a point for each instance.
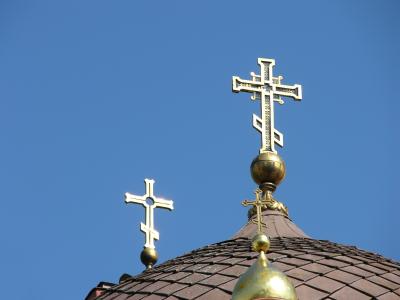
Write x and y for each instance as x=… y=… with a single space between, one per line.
x=268 y=89
x=150 y=202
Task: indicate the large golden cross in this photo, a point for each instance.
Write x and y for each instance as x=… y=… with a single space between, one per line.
x=267 y=89
x=150 y=202
x=259 y=203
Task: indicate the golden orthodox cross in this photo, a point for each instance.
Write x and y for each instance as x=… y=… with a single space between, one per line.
x=259 y=203
x=268 y=89
x=149 y=205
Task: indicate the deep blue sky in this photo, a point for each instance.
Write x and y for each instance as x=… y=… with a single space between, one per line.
x=97 y=95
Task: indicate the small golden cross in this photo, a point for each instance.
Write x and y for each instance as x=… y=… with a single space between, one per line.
x=148 y=228
x=259 y=203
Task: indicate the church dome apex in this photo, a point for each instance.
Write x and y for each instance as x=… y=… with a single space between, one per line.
x=261 y=281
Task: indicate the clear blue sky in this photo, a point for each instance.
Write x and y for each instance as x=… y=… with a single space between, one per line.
x=97 y=95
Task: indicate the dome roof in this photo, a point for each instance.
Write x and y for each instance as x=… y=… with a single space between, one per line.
x=318 y=269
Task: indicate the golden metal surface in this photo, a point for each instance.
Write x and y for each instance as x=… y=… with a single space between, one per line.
x=263 y=281
x=260 y=242
x=276 y=205
x=150 y=202
x=268 y=168
x=268 y=89
x=264 y=200
x=258 y=204
x=272 y=204
x=149 y=257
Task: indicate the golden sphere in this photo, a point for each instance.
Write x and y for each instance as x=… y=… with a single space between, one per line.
x=149 y=257
x=260 y=242
x=268 y=168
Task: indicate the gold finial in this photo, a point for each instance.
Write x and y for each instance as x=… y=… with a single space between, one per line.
x=268 y=89
x=268 y=168
x=150 y=202
x=262 y=281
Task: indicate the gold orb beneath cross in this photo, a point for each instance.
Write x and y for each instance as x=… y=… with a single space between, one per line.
x=149 y=257
x=268 y=169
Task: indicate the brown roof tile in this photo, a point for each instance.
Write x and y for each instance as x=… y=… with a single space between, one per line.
x=326 y=284
x=176 y=276
x=293 y=261
x=152 y=297
x=121 y=297
x=281 y=266
x=234 y=270
x=318 y=269
x=195 y=267
x=192 y=291
x=140 y=286
x=309 y=293
x=347 y=259
x=369 y=287
x=232 y=260
x=171 y=288
x=384 y=282
x=300 y=274
x=215 y=294
x=385 y=267
x=214 y=268
x=371 y=269
x=216 y=280
x=228 y=287
x=347 y=293
x=342 y=276
x=193 y=278
x=133 y=297
x=389 y=296
x=154 y=286
x=392 y=277
x=357 y=271
x=332 y=262
x=247 y=262
x=311 y=257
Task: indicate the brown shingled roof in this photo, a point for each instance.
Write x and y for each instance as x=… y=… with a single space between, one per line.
x=318 y=269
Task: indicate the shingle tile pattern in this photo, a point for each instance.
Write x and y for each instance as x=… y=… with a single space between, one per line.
x=318 y=269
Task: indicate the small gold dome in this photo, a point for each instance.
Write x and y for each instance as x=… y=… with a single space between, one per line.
x=263 y=282
x=149 y=257
x=268 y=168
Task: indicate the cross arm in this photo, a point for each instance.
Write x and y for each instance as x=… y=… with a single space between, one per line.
x=129 y=198
x=292 y=91
x=242 y=85
x=163 y=203
x=248 y=202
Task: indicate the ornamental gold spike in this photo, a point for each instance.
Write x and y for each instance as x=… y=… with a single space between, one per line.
x=268 y=89
x=150 y=202
x=261 y=280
